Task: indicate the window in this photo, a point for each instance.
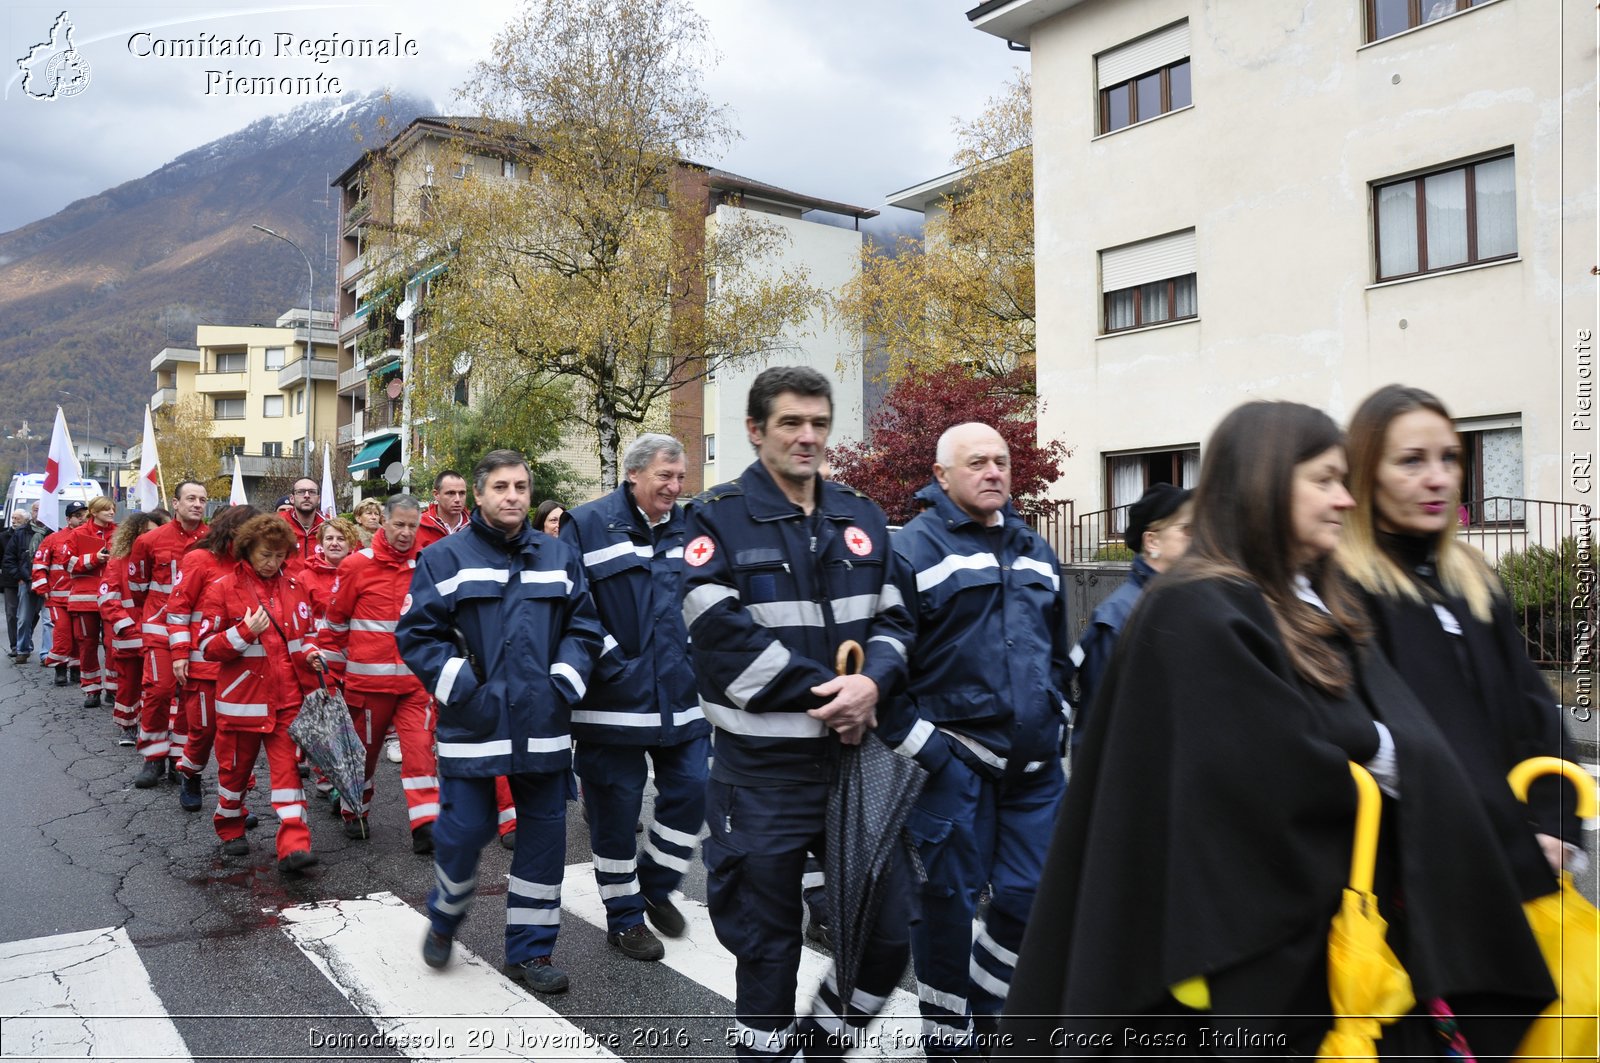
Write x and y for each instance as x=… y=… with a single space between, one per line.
x=229 y=409
x=1385 y=18
x=272 y=406
x=272 y=450
x=1149 y=282
x=231 y=362
x=1491 y=470
x=1128 y=475
x=300 y=401
x=1448 y=218
x=462 y=396
x=1145 y=78
x=711 y=448
x=274 y=359
x=711 y=287
x=508 y=169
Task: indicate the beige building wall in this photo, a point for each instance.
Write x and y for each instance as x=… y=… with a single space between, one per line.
x=1294 y=119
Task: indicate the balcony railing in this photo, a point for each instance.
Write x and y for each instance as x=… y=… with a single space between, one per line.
x=292 y=375
x=348 y=432
x=253 y=464
x=353 y=269
x=172 y=357
x=221 y=382
x=163 y=397
x=351 y=377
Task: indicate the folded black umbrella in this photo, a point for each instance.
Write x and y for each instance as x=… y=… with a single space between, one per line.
x=323 y=730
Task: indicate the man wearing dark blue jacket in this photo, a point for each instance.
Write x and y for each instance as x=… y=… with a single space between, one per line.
x=983 y=711
x=500 y=627
x=641 y=702
x=781 y=568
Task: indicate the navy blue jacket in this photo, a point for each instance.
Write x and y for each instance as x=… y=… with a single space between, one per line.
x=770 y=593
x=1092 y=654
x=521 y=605
x=642 y=693
x=988 y=669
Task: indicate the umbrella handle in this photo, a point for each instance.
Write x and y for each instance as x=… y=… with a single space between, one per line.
x=850 y=658
x=1528 y=770
x=1364 y=853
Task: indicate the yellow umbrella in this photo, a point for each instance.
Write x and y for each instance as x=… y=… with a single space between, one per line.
x=1567 y=928
x=1366 y=983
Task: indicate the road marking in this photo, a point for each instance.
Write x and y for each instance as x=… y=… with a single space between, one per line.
x=700 y=956
x=370 y=950
x=79 y=996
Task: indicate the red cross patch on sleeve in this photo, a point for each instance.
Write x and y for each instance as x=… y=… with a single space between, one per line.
x=703 y=549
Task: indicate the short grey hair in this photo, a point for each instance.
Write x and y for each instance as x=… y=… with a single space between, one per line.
x=19 y=513
x=402 y=501
x=642 y=451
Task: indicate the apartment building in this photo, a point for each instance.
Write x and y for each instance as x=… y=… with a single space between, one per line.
x=260 y=394
x=377 y=330
x=1308 y=201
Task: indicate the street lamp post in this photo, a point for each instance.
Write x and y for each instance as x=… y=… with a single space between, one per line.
x=88 y=421
x=311 y=287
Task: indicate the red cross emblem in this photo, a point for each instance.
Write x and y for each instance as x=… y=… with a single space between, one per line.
x=700 y=551
x=859 y=542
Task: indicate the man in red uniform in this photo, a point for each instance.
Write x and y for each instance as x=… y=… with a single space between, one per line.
x=304 y=520
x=87 y=551
x=51 y=581
x=448 y=514
x=152 y=564
x=371 y=591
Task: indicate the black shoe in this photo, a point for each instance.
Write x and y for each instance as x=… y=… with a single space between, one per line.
x=189 y=793
x=335 y=804
x=149 y=774
x=235 y=847
x=61 y=675
x=296 y=861
x=539 y=975
x=422 y=838
x=436 y=948
x=129 y=736
x=92 y=701
x=355 y=828
x=74 y=674
x=665 y=917
x=817 y=930
x=250 y=821
x=508 y=840
x=637 y=943
x=173 y=774
x=304 y=768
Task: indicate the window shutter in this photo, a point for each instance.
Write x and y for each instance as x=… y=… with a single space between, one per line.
x=1159 y=259
x=1148 y=53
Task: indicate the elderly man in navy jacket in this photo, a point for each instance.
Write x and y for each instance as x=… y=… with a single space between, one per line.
x=641 y=702
x=983 y=711
x=500 y=627
x=782 y=567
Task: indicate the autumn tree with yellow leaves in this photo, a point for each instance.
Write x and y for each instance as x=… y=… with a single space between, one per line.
x=586 y=273
x=964 y=293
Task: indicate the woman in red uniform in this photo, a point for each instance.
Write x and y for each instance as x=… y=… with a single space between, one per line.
x=87 y=551
x=256 y=624
x=120 y=617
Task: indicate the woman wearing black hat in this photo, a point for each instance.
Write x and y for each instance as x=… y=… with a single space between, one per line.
x=1158 y=534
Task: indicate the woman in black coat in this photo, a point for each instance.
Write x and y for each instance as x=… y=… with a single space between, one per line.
x=1209 y=826
x=1442 y=619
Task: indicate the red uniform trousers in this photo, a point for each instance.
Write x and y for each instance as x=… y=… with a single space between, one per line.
x=412 y=715
x=236 y=757
x=130 y=673
x=61 y=640
x=86 y=639
x=160 y=734
x=197 y=696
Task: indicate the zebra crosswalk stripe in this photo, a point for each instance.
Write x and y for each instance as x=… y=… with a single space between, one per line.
x=83 y=994
x=368 y=949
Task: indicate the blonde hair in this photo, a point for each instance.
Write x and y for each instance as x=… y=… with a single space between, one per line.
x=351 y=533
x=99 y=504
x=1462 y=570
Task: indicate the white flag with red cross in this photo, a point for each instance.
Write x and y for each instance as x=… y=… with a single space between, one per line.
x=60 y=470
x=147 y=491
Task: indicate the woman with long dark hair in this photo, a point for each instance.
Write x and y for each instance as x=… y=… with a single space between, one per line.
x=1442 y=619
x=1207 y=840
x=120 y=616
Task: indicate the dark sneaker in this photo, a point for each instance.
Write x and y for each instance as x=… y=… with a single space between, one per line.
x=539 y=975
x=356 y=829
x=436 y=948
x=817 y=930
x=235 y=847
x=74 y=674
x=637 y=943
x=508 y=840
x=665 y=917
x=61 y=675
x=150 y=773
x=422 y=838
x=297 y=861
x=130 y=736
x=250 y=821
x=92 y=701
x=189 y=793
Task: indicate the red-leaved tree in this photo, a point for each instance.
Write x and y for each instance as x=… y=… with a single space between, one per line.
x=897 y=458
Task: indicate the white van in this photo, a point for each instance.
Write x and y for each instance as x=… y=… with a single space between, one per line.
x=28 y=487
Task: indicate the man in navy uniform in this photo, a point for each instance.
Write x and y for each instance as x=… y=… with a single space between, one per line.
x=641 y=702
x=781 y=568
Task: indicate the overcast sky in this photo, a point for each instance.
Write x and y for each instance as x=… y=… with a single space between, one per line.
x=844 y=99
